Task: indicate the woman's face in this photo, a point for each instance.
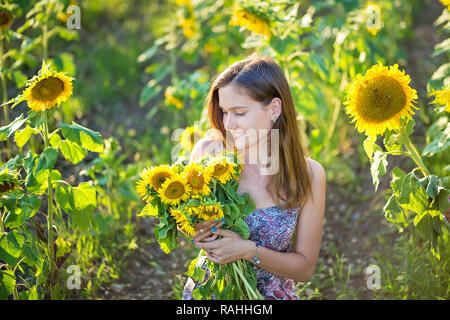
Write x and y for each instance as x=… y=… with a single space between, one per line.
x=244 y=117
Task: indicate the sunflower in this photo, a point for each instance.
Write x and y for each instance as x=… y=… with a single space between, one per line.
x=143 y=185
x=251 y=21
x=48 y=89
x=442 y=97
x=174 y=190
x=182 y=221
x=198 y=178
x=190 y=136
x=9 y=180
x=378 y=100
x=446 y=3
x=6 y=19
x=207 y=212
x=223 y=170
x=157 y=175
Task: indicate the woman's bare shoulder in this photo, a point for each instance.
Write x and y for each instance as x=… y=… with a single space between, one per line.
x=315 y=169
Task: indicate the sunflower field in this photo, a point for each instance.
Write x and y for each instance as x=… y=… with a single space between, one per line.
x=99 y=96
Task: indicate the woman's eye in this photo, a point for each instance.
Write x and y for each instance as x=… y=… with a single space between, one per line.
x=237 y=114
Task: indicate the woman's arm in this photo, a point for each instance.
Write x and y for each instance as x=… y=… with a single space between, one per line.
x=298 y=265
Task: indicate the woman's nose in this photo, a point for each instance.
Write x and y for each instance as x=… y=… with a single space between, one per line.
x=228 y=122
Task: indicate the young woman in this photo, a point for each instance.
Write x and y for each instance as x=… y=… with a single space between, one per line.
x=253 y=96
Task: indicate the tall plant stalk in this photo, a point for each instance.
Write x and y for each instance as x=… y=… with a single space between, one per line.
x=4 y=93
x=51 y=254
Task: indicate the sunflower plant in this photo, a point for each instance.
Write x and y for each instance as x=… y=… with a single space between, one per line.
x=22 y=196
x=181 y=196
x=381 y=103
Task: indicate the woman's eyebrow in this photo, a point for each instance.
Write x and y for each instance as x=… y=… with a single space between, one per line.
x=233 y=108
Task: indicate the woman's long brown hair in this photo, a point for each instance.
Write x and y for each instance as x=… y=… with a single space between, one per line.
x=262 y=79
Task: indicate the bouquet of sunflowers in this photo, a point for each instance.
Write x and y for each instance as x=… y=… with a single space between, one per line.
x=181 y=196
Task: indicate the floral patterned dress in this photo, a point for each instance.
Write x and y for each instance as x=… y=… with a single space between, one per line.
x=273 y=228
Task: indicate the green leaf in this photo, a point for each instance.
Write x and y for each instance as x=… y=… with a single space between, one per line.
x=88 y=139
x=85 y=196
x=64 y=197
x=65 y=63
x=241 y=228
x=72 y=151
x=31 y=294
x=19 y=78
x=79 y=202
x=394 y=214
x=36 y=118
x=25 y=207
x=425 y=224
x=149 y=53
x=47 y=159
x=439 y=144
x=10 y=247
x=391 y=143
x=234 y=211
x=167 y=242
x=7 y=283
x=412 y=195
x=150 y=91
x=31 y=254
x=442 y=199
x=369 y=145
x=148 y=210
x=22 y=136
x=378 y=167
x=10 y=128
x=441 y=47
x=55 y=139
x=195 y=272
x=432 y=187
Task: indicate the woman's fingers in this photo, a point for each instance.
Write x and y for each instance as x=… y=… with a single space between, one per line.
x=202 y=236
x=210 y=238
x=205 y=226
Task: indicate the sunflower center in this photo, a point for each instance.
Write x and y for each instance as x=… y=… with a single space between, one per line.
x=48 y=89
x=219 y=170
x=160 y=178
x=175 y=190
x=381 y=99
x=5 y=17
x=196 y=180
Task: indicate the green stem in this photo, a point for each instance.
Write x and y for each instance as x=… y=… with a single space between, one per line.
x=4 y=94
x=45 y=33
x=414 y=154
x=237 y=279
x=244 y=280
x=50 y=208
x=2 y=226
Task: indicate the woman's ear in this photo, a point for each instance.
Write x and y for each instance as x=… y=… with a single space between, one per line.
x=276 y=107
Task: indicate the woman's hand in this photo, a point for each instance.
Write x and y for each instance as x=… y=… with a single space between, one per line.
x=228 y=249
x=204 y=232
